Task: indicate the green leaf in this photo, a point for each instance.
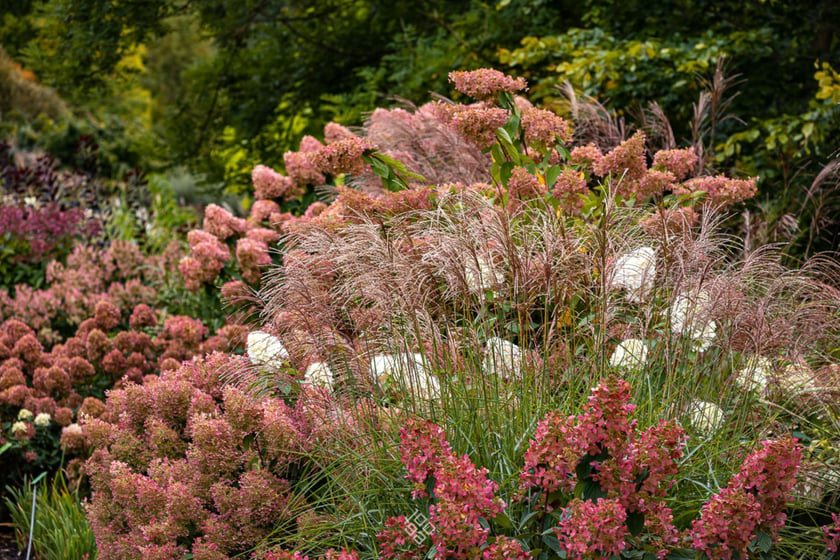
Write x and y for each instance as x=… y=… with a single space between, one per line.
x=681 y=554
x=635 y=523
x=764 y=541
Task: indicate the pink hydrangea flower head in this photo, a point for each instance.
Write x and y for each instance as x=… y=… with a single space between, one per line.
x=720 y=190
x=485 y=84
x=545 y=129
x=261 y=210
x=479 y=124
x=593 y=529
x=221 y=223
x=342 y=156
x=626 y=161
x=333 y=132
x=831 y=533
x=588 y=156
x=268 y=183
x=522 y=187
x=679 y=162
x=568 y=188
x=302 y=170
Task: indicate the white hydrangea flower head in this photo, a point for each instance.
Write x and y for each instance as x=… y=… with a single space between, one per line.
x=319 y=374
x=635 y=272
x=630 y=354
x=753 y=376
x=481 y=274
x=42 y=420
x=707 y=418
x=24 y=415
x=797 y=377
x=687 y=318
x=19 y=427
x=266 y=350
x=502 y=358
x=405 y=370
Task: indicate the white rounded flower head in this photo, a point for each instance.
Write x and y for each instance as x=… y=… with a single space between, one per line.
x=19 y=427
x=796 y=378
x=688 y=317
x=480 y=275
x=635 y=272
x=630 y=354
x=502 y=358
x=753 y=376
x=707 y=418
x=266 y=350
x=42 y=420
x=405 y=371
x=319 y=374
x=24 y=415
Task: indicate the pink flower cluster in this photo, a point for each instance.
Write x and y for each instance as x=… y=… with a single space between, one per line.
x=174 y=463
x=485 y=84
x=753 y=501
x=593 y=529
x=831 y=533
x=463 y=493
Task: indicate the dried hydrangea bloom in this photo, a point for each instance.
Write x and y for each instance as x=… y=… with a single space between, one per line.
x=485 y=84
x=635 y=272
x=630 y=354
x=655 y=183
x=221 y=223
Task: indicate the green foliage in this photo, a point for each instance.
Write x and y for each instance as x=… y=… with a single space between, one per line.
x=61 y=529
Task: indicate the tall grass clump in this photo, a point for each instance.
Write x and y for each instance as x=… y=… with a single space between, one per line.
x=61 y=531
x=562 y=357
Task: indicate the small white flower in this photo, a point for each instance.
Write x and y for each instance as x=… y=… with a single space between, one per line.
x=502 y=358
x=405 y=370
x=25 y=415
x=630 y=354
x=19 y=427
x=480 y=275
x=31 y=201
x=753 y=376
x=706 y=417
x=266 y=350
x=635 y=272
x=42 y=420
x=320 y=374
x=687 y=318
